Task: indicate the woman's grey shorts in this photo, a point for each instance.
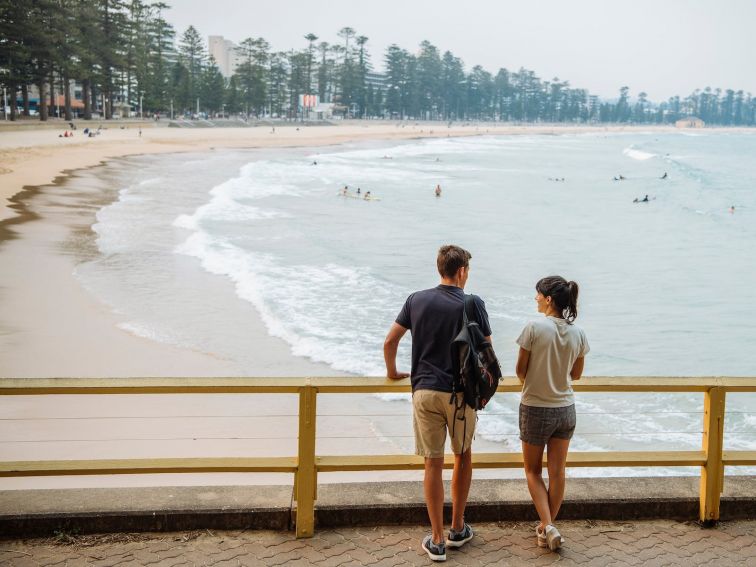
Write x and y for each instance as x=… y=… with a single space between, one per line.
x=538 y=425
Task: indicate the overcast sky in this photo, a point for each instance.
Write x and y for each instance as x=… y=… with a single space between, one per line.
x=662 y=47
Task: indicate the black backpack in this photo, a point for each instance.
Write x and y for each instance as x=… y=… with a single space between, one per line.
x=476 y=370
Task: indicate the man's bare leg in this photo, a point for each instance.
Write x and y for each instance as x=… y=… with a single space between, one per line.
x=460 y=487
x=434 y=496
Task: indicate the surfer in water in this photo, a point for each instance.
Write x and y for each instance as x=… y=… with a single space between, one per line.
x=643 y=200
x=664 y=176
x=438 y=191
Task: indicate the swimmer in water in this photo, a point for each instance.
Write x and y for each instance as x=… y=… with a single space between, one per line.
x=367 y=195
x=438 y=190
x=664 y=176
x=358 y=190
x=345 y=190
x=732 y=210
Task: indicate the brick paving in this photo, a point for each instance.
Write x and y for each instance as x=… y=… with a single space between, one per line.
x=648 y=543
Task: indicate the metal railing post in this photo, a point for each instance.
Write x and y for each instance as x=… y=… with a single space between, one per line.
x=712 y=473
x=306 y=478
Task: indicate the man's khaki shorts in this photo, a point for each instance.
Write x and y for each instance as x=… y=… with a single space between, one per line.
x=433 y=415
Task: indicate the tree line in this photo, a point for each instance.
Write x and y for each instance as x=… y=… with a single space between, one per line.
x=123 y=53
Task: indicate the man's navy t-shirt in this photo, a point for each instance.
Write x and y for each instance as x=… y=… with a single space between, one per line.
x=434 y=316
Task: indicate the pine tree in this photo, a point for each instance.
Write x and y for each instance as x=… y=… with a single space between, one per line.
x=311 y=39
x=429 y=74
x=363 y=65
x=16 y=29
x=397 y=80
x=232 y=96
x=212 y=87
x=251 y=74
x=192 y=57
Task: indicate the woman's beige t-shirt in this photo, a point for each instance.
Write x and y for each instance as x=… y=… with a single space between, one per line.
x=554 y=346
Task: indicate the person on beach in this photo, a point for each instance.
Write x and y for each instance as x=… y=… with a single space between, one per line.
x=552 y=354
x=433 y=317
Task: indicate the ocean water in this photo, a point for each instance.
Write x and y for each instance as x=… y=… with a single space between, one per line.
x=666 y=285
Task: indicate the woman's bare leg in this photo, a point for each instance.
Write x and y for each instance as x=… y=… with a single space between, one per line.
x=533 y=458
x=557 y=460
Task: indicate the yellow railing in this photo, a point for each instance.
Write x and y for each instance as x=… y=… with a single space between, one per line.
x=307 y=464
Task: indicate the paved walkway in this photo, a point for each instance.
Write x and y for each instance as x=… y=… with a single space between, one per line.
x=648 y=543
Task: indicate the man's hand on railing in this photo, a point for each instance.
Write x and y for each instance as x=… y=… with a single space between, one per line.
x=397 y=375
x=390 y=346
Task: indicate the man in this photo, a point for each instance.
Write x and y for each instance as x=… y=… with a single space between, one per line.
x=434 y=317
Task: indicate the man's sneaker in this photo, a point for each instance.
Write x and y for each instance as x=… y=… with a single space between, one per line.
x=460 y=538
x=541 y=537
x=553 y=537
x=436 y=551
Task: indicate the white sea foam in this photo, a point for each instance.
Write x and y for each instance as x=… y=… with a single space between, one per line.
x=146 y=332
x=228 y=211
x=113 y=235
x=299 y=304
x=225 y=205
x=639 y=155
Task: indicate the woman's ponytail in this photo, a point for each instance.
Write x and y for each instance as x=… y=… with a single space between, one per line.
x=571 y=308
x=564 y=295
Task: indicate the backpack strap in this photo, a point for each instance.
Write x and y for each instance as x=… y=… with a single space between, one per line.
x=459 y=405
x=468 y=313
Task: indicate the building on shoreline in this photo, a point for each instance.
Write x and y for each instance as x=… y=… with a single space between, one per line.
x=225 y=54
x=55 y=100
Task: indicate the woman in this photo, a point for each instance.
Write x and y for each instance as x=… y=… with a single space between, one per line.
x=552 y=351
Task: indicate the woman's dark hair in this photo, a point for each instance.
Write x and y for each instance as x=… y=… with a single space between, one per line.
x=564 y=294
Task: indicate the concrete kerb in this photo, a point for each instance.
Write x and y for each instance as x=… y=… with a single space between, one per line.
x=44 y=512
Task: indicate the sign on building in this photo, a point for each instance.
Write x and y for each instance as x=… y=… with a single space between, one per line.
x=308 y=100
